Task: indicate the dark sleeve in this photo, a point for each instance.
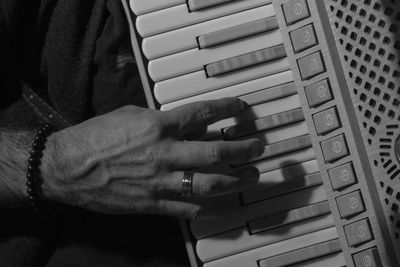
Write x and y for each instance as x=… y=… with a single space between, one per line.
x=17 y=22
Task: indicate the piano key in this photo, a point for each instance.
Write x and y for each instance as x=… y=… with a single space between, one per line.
x=260 y=193
x=250 y=258
x=282 y=160
x=302 y=254
x=270 y=94
x=140 y=7
x=197 y=83
x=237 y=32
x=286 y=146
x=239 y=240
x=263 y=124
x=255 y=112
x=241 y=89
x=280 y=134
x=195 y=5
x=186 y=38
x=205 y=228
x=289 y=217
x=333 y=260
x=285 y=174
x=195 y=59
x=179 y=16
x=246 y=60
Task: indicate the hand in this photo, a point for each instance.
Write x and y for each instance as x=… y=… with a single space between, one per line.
x=132 y=160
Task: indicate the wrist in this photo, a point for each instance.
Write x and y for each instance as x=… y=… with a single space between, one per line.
x=33 y=171
x=49 y=168
x=59 y=167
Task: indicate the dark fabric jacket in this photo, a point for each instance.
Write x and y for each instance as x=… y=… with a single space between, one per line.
x=67 y=51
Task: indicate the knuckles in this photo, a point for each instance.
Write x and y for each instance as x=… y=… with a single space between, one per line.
x=206 y=113
x=208 y=187
x=153 y=157
x=214 y=154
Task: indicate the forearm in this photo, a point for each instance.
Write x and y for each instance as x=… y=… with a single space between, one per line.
x=14 y=154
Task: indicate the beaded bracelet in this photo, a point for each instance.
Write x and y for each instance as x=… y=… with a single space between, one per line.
x=33 y=171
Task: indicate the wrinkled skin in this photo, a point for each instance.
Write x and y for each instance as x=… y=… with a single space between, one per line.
x=132 y=161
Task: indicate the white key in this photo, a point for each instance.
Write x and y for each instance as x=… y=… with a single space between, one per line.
x=243 y=61
x=264 y=124
x=250 y=258
x=283 y=160
x=201 y=4
x=286 y=174
x=140 y=7
x=292 y=216
x=239 y=31
x=179 y=16
x=197 y=83
x=303 y=254
x=270 y=94
x=185 y=38
x=201 y=229
x=240 y=240
x=281 y=133
x=293 y=184
x=271 y=179
x=256 y=112
x=195 y=59
x=286 y=147
x=334 y=260
x=236 y=90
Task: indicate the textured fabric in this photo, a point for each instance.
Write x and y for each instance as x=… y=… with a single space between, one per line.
x=75 y=55
x=116 y=80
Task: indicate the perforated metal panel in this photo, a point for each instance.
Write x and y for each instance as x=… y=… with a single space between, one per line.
x=368 y=38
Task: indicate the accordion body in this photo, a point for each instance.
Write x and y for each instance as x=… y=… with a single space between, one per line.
x=322 y=80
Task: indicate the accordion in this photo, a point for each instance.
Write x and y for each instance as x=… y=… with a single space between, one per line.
x=322 y=80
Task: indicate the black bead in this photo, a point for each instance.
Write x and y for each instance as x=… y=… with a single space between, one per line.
x=32 y=151
x=30 y=168
x=37 y=155
x=39 y=138
x=37 y=145
x=33 y=161
x=29 y=191
x=33 y=171
x=48 y=130
x=32 y=176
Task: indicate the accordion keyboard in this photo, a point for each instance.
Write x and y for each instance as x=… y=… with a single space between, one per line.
x=316 y=201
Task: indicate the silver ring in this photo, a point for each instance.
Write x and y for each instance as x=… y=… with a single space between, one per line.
x=187 y=184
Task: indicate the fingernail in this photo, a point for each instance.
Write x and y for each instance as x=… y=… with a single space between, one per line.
x=239 y=103
x=253 y=175
x=245 y=105
x=257 y=150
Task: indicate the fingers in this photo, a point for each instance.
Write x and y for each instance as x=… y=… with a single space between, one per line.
x=185 y=155
x=196 y=134
x=191 y=117
x=209 y=185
